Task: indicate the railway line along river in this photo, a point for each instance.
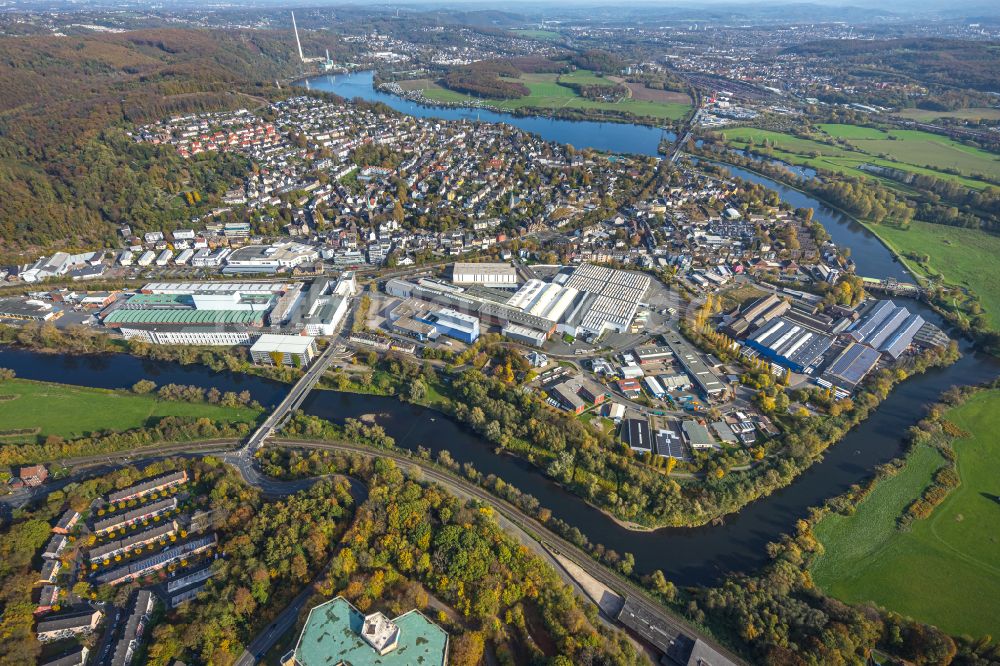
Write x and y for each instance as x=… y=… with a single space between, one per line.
x=686 y=555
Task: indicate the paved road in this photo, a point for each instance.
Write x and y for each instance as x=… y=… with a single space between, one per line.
x=510 y=516
x=676 y=626
x=292 y=401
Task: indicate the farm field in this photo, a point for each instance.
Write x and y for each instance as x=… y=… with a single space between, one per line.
x=919 y=149
x=546 y=93
x=957 y=254
x=976 y=113
x=74 y=411
x=946 y=569
x=911 y=152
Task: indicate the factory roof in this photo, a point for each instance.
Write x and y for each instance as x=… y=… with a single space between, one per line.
x=851 y=365
x=789 y=340
x=285 y=344
x=122 y=316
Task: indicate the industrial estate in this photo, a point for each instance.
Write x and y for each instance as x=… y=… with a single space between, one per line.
x=498 y=335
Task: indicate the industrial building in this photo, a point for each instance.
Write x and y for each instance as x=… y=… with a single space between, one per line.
x=670 y=444
x=291 y=350
x=320 y=311
x=709 y=384
x=851 y=366
x=755 y=314
x=23 y=309
x=614 y=299
x=636 y=435
x=588 y=300
x=790 y=344
x=502 y=276
x=697 y=435
x=577 y=393
x=887 y=327
x=269 y=258
x=544 y=299
x=208 y=313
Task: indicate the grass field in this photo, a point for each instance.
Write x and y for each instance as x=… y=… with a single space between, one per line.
x=916 y=152
x=73 y=411
x=546 y=93
x=946 y=569
x=976 y=113
x=958 y=255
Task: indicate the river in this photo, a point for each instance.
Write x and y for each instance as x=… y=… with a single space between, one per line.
x=870 y=256
x=609 y=137
x=687 y=556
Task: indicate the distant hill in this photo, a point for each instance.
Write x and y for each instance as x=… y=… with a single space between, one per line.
x=65 y=177
x=940 y=62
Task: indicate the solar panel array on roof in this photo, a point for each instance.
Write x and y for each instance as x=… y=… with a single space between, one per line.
x=851 y=366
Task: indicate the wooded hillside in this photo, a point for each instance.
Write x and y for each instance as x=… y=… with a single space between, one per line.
x=68 y=172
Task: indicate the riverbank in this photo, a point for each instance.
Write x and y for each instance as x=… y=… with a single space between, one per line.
x=32 y=411
x=565 y=104
x=954 y=541
x=612 y=137
x=955 y=314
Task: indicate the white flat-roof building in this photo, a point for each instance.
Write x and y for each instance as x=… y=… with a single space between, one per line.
x=270 y=258
x=273 y=349
x=488 y=275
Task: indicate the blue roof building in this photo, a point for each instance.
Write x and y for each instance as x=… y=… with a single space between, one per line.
x=790 y=344
x=338 y=634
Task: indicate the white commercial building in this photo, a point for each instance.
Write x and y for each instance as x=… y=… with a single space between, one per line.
x=488 y=275
x=294 y=350
x=270 y=258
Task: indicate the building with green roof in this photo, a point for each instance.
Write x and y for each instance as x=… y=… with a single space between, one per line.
x=338 y=634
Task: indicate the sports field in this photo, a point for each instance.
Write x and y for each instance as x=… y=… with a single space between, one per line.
x=73 y=411
x=547 y=93
x=958 y=255
x=946 y=569
x=915 y=152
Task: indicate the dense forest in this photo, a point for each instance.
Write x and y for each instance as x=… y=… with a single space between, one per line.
x=411 y=542
x=490 y=79
x=930 y=61
x=68 y=171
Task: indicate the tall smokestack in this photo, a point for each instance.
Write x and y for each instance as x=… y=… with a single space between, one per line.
x=297 y=42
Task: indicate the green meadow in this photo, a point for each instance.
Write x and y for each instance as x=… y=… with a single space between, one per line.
x=946 y=569
x=547 y=93
x=73 y=411
x=906 y=150
x=956 y=254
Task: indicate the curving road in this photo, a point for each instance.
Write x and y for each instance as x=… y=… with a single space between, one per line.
x=512 y=518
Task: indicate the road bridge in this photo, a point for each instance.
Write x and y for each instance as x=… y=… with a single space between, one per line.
x=292 y=401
